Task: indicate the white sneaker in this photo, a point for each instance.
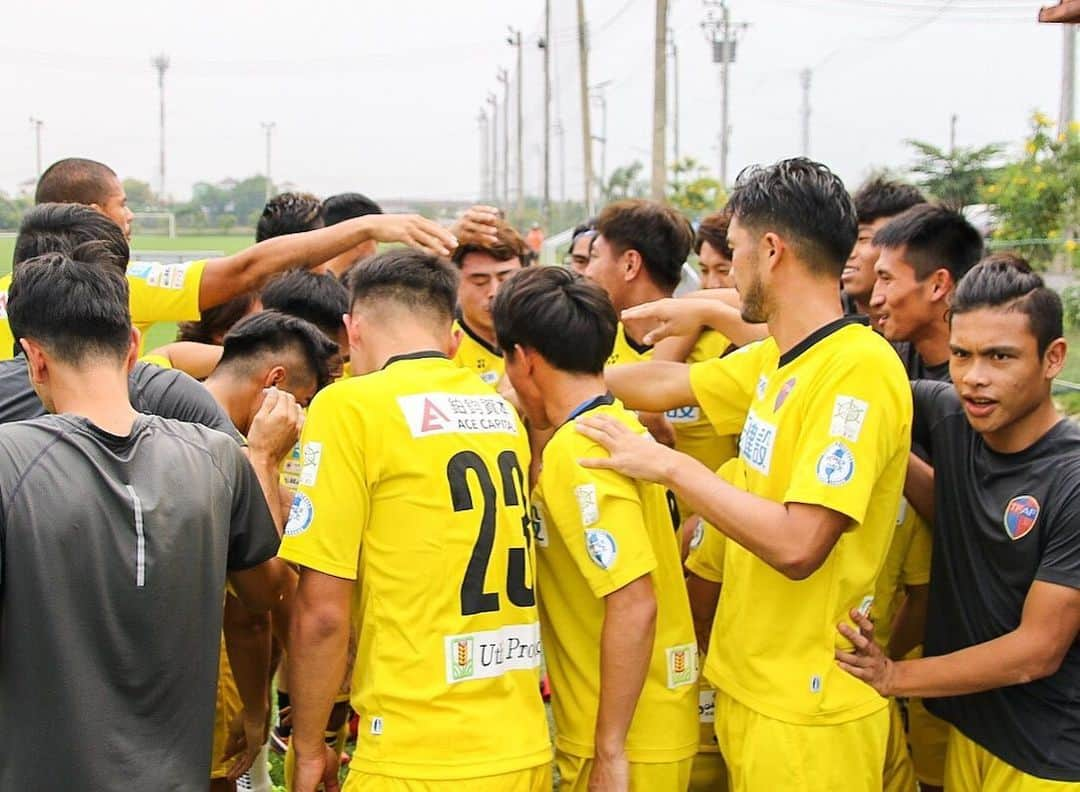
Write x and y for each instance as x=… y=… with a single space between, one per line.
x=259 y=774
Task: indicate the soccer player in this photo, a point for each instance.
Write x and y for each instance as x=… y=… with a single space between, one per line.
x=1002 y=658
x=806 y=512
x=110 y=611
x=578 y=257
x=320 y=298
x=289 y=213
x=484 y=267
x=618 y=638
x=876 y=203
x=411 y=522
x=346 y=206
x=181 y=292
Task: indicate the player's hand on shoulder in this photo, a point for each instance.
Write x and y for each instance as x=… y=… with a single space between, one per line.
x=867 y=661
x=276 y=426
x=634 y=455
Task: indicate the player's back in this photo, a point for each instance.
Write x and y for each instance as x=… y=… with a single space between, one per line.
x=447 y=669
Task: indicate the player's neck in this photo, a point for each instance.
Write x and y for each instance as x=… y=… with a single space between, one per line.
x=564 y=392
x=486 y=334
x=235 y=405
x=398 y=342
x=97 y=393
x=932 y=343
x=802 y=309
x=1024 y=432
x=643 y=291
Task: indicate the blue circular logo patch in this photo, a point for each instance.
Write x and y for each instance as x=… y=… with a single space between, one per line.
x=1020 y=516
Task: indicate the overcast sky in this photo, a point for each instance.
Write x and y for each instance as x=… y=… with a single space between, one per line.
x=383 y=97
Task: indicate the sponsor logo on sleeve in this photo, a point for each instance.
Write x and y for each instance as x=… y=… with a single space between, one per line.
x=601 y=548
x=300 y=515
x=587 y=504
x=1020 y=516
x=847 y=418
x=756 y=443
x=836 y=465
x=682 y=415
x=682 y=665
x=762 y=385
x=310 y=457
x=166 y=276
x=492 y=653
x=445 y=413
x=785 y=391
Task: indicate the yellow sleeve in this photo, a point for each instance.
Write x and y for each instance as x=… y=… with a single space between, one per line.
x=333 y=501
x=7 y=340
x=600 y=516
x=158 y=360
x=853 y=428
x=164 y=292
x=724 y=387
x=706 y=559
x=916 y=568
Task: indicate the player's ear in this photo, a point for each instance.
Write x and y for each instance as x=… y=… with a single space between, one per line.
x=455 y=341
x=133 y=349
x=36 y=364
x=632 y=263
x=772 y=246
x=941 y=284
x=1054 y=358
x=274 y=376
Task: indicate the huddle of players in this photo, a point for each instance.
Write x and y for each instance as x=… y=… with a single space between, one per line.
x=416 y=476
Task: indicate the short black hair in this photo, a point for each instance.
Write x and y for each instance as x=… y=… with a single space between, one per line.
x=214 y=323
x=658 y=232
x=346 y=206
x=268 y=332
x=75 y=180
x=319 y=298
x=568 y=319
x=289 y=213
x=1009 y=284
x=933 y=237
x=588 y=227
x=714 y=229
x=804 y=200
x=409 y=277
x=880 y=197
x=77 y=231
x=73 y=309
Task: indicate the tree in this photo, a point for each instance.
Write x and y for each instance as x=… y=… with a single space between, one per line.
x=956 y=178
x=140 y=196
x=625 y=182
x=12 y=209
x=692 y=190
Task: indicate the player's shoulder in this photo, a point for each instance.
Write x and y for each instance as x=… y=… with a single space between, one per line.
x=569 y=444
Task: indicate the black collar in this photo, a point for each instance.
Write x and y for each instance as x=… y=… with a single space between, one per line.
x=641 y=349
x=820 y=334
x=591 y=404
x=423 y=353
x=468 y=331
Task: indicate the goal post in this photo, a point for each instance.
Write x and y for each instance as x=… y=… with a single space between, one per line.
x=155 y=224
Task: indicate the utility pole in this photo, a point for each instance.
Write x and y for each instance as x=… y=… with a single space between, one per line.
x=1068 y=80
x=559 y=132
x=37 y=124
x=675 y=87
x=720 y=33
x=601 y=97
x=804 y=78
x=161 y=63
x=514 y=39
x=952 y=133
x=482 y=124
x=268 y=128
x=493 y=189
x=504 y=78
x=545 y=45
x=586 y=120
x=658 y=181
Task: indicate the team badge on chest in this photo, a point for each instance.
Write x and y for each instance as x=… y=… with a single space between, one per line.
x=1020 y=516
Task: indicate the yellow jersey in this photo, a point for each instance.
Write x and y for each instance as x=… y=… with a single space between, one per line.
x=827 y=423
x=627 y=350
x=157 y=293
x=477 y=354
x=907 y=564
x=413 y=483
x=597 y=531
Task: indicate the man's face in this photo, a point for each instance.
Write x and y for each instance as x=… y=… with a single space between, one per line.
x=579 y=253
x=858 y=275
x=996 y=367
x=715 y=268
x=607 y=270
x=900 y=300
x=746 y=267
x=114 y=206
x=481 y=277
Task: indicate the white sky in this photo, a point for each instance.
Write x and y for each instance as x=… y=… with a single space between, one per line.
x=383 y=97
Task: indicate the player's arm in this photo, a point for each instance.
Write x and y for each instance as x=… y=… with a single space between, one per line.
x=247 y=641
x=1049 y=626
x=683 y=316
x=318 y=641
x=704 y=597
x=626 y=644
x=919 y=488
x=247 y=271
x=653 y=386
x=195 y=359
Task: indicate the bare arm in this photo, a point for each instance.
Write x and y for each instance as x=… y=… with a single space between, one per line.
x=675 y=348
x=653 y=386
x=248 y=270
x=704 y=596
x=919 y=488
x=1034 y=650
x=261 y=587
x=247 y=641
x=686 y=315
x=909 y=626
x=192 y=358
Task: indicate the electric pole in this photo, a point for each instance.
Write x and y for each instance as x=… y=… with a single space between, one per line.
x=601 y=97
x=37 y=124
x=557 y=130
x=545 y=45
x=161 y=63
x=721 y=36
x=514 y=40
x=482 y=124
x=1068 y=80
x=268 y=128
x=952 y=133
x=586 y=120
x=493 y=189
x=504 y=78
x=804 y=78
x=675 y=88
x=658 y=181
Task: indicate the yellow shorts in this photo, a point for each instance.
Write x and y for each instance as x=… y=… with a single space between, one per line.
x=928 y=736
x=763 y=753
x=709 y=773
x=535 y=779
x=226 y=708
x=899 y=770
x=971 y=768
x=667 y=776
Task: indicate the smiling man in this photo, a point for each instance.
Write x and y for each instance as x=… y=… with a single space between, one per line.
x=1002 y=657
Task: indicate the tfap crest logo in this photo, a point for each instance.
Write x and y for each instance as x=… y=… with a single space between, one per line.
x=1020 y=516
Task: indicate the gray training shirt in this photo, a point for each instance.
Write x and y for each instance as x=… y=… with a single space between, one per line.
x=113 y=557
